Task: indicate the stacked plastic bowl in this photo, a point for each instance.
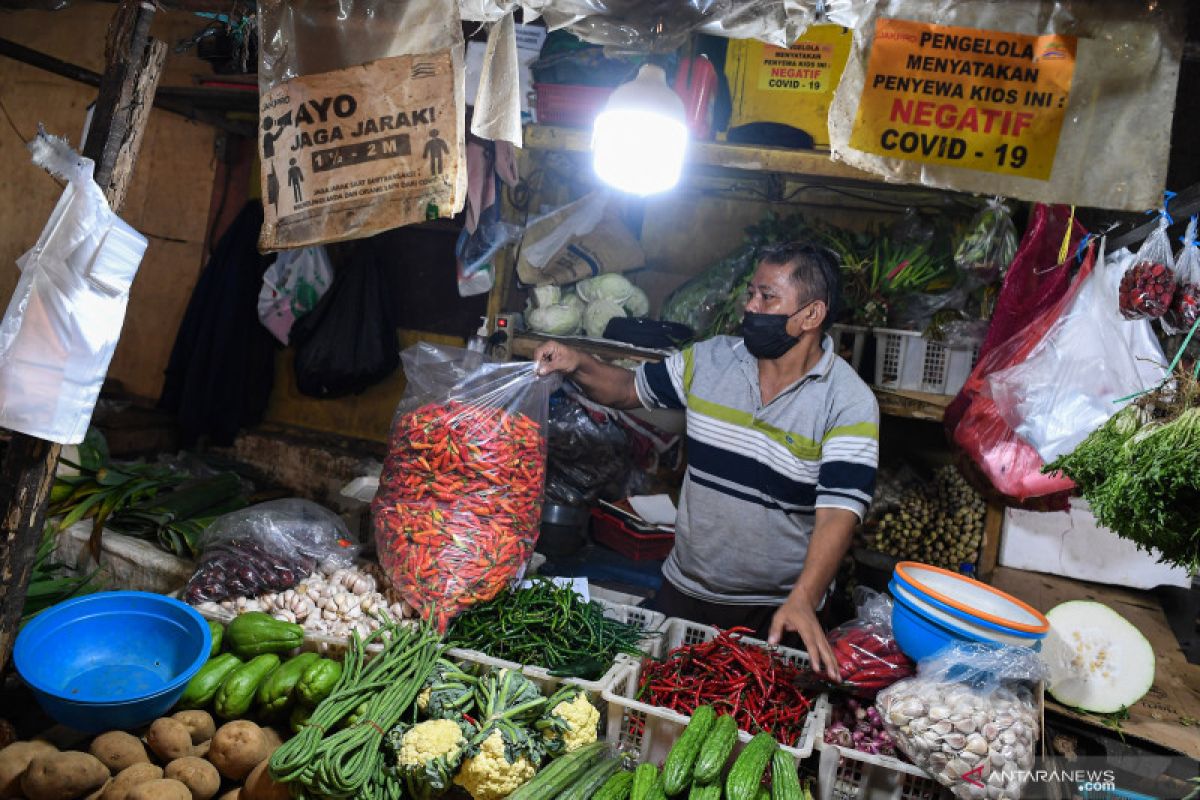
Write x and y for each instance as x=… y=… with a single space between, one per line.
x=935 y=607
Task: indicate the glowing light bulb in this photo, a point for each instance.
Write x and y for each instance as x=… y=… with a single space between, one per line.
x=640 y=139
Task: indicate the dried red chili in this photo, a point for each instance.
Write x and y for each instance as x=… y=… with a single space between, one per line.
x=459 y=506
x=757 y=687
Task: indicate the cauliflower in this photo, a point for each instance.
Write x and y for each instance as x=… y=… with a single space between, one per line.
x=427 y=755
x=489 y=775
x=571 y=723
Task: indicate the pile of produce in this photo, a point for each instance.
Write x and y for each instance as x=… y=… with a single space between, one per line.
x=332 y=601
x=549 y=626
x=755 y=686
x=695 y=767
x=1139 y=474
x=940 y=523
x=858 y=726
x=1147 y=290
x=490 y=733
x=181 y=757
x=868 y=660
x=460 y=504
x=876 y=271
x=247 y=674
x=585 y=307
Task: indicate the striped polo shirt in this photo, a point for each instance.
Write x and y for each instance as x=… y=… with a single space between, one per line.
x=757 y=473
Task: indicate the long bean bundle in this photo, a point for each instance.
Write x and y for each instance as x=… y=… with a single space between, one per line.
x=549 y=626
x=367 y=701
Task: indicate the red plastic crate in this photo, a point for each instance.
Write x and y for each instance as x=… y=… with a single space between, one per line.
x=572 y=105
x=612 y=532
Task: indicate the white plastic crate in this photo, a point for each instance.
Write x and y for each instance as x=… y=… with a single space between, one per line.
x=647 y=732
x=850 y=339
x=844 y=774
x=908 y=361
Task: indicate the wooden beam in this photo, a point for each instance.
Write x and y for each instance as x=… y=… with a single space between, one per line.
x=133 y=65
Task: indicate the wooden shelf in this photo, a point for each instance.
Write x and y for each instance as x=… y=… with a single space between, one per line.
x=751 y=158
x=912 y=405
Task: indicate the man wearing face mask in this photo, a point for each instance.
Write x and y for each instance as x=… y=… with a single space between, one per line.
x=782 y=443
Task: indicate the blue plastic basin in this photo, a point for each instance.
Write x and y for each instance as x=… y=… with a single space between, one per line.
x=112 y=659
x=920 y=637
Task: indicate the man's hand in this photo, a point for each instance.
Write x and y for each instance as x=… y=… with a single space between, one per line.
x=553 y=357
x=798 y=616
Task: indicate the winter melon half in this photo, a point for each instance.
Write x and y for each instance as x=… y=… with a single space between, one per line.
x=1105 y=662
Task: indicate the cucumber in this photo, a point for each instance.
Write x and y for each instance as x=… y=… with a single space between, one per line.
x=745 y=777
x=616 y=788
x=645 y=778
x=591 y=781
x=560 y=773
x=710 y=791
x=763 y=793
x=681 y=761
x=715 y=750
x=785 y=781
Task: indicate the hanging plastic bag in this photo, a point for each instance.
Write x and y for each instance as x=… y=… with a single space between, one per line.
x=361 y=109
x=1148 y=286
x=989 y=245
x=1185 y=308
x=269 y=547
x=63 y=322
x=459 y=505
x=291 y=288
x=349 y=342
x=697 y=302
x=969 y=718
x=867 y=655
x=1090 y=358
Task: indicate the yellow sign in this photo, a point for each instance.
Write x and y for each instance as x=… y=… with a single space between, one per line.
x=976 y=99
x=806 y=66
x=788 y=85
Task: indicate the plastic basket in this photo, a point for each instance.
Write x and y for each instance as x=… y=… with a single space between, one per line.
x=908 y=361
x=850 y=340
x=572 y=105
x=611 y=532
x=844 y=774
x=647 y=732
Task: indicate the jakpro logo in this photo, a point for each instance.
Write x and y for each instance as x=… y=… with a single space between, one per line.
x=1054 y=50
x=973 y=777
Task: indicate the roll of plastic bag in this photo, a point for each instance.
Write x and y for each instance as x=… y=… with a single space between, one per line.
x=63 y=322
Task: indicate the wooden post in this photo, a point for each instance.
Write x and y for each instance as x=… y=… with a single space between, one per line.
x=133 y=64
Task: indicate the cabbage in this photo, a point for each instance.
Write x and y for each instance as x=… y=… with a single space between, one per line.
x=609 y=286
x=558 y=320
x=572 y=300
x=597 y=315
x=545 y=296
x=638 y=304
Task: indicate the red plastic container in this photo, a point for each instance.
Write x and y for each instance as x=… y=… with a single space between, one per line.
x=612 y=532
x=572 y=105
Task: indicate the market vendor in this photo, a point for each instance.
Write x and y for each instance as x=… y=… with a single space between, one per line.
x=782 y=449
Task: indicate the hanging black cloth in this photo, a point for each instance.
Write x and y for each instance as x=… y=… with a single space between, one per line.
x=219 y=377
x=348 y=342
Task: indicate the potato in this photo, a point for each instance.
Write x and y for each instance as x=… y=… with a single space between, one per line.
x=199 y=724
x=96 y=795
x=161 y=789
x=169 y=739
x=259 y=785
x=232 y=794
x=201 y=750
x=199 y=776
x=118 y=750
x=13 y=761
x=274 y=740
x=63 y=776
x=126 y=779
x=237 y=747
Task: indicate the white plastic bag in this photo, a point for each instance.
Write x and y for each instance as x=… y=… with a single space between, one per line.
x=1185 y=307
x=291 y=288
x=1089 y=359
x=65 y=317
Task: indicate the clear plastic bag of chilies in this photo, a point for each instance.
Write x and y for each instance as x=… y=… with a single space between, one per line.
x=1185 y=308
x=990 y=243
x=867 y=655
x=968 y=718
x=1148 y=287
x=459 y=505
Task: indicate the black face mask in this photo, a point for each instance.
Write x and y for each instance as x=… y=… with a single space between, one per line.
x=766 y=335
